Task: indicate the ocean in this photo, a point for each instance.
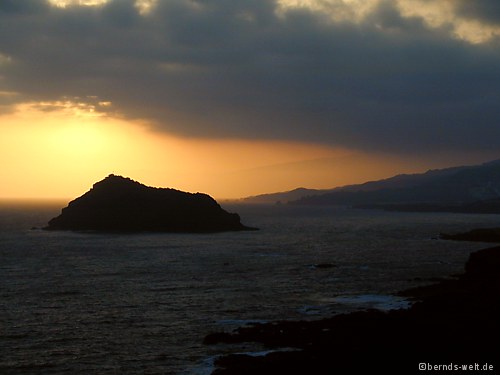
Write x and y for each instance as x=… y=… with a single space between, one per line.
x=83 y=303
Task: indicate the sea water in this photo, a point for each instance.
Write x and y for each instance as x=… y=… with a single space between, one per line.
x=122 y=304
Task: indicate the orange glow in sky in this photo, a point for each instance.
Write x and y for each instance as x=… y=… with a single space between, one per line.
x=52 y=150
x=59 y=149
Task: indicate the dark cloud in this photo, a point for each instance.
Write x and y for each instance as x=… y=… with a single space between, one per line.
x=226 y=68
x=482 y=10
x=24 y=6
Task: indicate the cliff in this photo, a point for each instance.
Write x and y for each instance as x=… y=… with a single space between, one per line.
x=119 y=204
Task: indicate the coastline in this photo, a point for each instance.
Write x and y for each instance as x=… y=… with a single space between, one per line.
x=452 y=322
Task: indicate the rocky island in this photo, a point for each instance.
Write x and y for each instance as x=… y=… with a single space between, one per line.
x=119 y=204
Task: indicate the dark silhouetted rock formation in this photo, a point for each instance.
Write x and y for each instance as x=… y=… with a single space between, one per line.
x=455 y=323
x=123 y=205
x=476 y=235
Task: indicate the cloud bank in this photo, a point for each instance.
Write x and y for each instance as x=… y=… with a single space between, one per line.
x=398 y=76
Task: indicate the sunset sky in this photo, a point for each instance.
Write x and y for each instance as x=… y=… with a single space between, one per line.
x=236 y=98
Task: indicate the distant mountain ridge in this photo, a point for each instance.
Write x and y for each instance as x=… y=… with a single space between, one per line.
x=449 y=186
x=283 y=197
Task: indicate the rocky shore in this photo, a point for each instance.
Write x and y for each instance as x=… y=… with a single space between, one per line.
x=476 y=235
x=453 y=323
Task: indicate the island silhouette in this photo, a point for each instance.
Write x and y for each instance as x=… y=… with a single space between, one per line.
x=120 y=204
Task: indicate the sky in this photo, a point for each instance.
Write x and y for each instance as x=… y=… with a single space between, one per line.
x=237 y=98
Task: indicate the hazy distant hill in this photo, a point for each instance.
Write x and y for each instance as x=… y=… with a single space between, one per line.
x=450 y=186
x=283 y=197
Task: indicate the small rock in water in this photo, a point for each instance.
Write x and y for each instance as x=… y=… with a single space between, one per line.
x=323 y=265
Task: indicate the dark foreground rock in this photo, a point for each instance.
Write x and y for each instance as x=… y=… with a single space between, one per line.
x=476 y=235
x=121 y=204
x=454 y=323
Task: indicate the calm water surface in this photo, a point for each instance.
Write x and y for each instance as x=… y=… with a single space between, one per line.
x=113 y=304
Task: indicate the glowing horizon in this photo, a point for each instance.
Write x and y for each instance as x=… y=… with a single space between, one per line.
x=57 y=150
